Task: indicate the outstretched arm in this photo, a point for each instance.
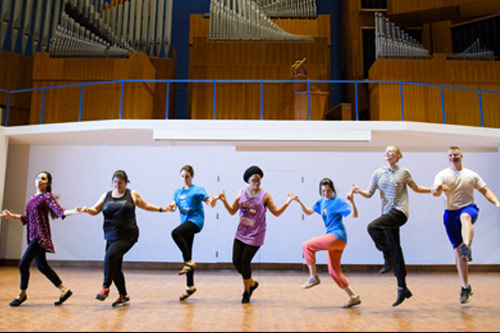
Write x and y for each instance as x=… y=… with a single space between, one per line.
x=212 y=200
x=365 y=193
x=74 y=211
x=268 y=201
x=350 y=198
x=307 y=210
x=143 y=204
x=419 y=189
x=97 y=208
x=488 y=194
x=231 y=209
x=7 y=214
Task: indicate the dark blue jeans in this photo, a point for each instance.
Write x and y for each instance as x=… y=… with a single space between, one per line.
x=34 y=251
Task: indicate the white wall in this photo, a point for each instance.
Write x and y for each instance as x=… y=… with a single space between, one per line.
x=13 y=237
x=82 y=173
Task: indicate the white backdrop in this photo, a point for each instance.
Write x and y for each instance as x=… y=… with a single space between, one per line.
x=82 y=173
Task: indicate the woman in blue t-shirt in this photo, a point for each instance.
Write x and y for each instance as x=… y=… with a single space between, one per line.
x=332 y=209
x=189 y=198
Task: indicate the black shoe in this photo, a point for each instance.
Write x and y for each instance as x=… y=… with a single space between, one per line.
x=18 y=301
x=386 y=268
x=465 y=295
x=402 y=294
x=64 y=297
x=245 y=298
x=253 y=288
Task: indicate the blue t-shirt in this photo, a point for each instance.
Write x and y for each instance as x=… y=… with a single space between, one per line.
x=332 y=211
x=190 y=203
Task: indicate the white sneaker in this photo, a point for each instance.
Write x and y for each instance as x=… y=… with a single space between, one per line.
x=355 y=300
x=313 y=281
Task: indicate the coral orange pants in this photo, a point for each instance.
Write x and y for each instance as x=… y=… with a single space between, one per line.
x=335 y=248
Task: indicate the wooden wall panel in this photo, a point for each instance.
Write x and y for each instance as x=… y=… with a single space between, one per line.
x=395 y=7
x=165 y=69
x=423 y=103
x=244 y=60
x=99 y=101
x=16 y=75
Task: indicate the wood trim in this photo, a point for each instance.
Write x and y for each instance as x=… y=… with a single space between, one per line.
x=261 y=266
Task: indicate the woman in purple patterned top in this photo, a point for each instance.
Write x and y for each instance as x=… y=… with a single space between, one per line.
x=36 y=217
x=252 y=202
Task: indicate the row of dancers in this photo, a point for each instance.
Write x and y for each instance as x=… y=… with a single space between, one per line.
x=252 y=202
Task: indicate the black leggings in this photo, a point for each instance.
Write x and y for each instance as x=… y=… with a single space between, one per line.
x=385 y=233
x=183 y=236
x=34 y=251
x=242 y=257
x=115 y=250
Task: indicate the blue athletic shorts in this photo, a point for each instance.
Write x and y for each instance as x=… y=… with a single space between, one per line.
x=451 y=219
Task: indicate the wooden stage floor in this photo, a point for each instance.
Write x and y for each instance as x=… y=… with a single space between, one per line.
x=279 y=304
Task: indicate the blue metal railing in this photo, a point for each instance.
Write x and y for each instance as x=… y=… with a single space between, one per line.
x=261 y=82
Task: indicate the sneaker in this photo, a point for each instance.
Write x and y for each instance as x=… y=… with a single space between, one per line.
x=187 y=293
x=465 y=295
x=466 y=252
x=313 y=281
x=18 y=301
x=354 y=300
x=101 y=296
x=403 y=293
x=121 y=301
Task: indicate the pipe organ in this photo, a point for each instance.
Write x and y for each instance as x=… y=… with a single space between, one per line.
x=87 y=27
x=288 y=8
x=246 y=20
x=475 y=52
x=392 y=41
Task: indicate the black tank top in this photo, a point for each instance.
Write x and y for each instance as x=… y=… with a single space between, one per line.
x=119 y=217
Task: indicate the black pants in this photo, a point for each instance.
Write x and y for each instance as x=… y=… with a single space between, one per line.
x=115 y=250
x=183 y=236
x=385 y=233
x=34 y=251
x=242 y=257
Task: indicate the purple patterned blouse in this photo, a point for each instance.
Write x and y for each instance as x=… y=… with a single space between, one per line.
x=36 y=217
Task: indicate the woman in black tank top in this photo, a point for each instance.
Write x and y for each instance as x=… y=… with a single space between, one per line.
x=120 y=231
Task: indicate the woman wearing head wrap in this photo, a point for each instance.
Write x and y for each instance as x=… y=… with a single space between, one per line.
x=252 y=202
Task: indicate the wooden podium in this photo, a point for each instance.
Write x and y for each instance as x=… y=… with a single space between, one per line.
x=295 y=102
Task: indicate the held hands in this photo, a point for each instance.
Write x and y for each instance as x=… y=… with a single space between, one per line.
x=350 y=196
x=214 y=200
x=355 y=189
x=222 y=196
x=290 y=198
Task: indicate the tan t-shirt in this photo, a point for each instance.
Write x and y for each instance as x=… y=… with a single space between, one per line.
x=461 y=186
